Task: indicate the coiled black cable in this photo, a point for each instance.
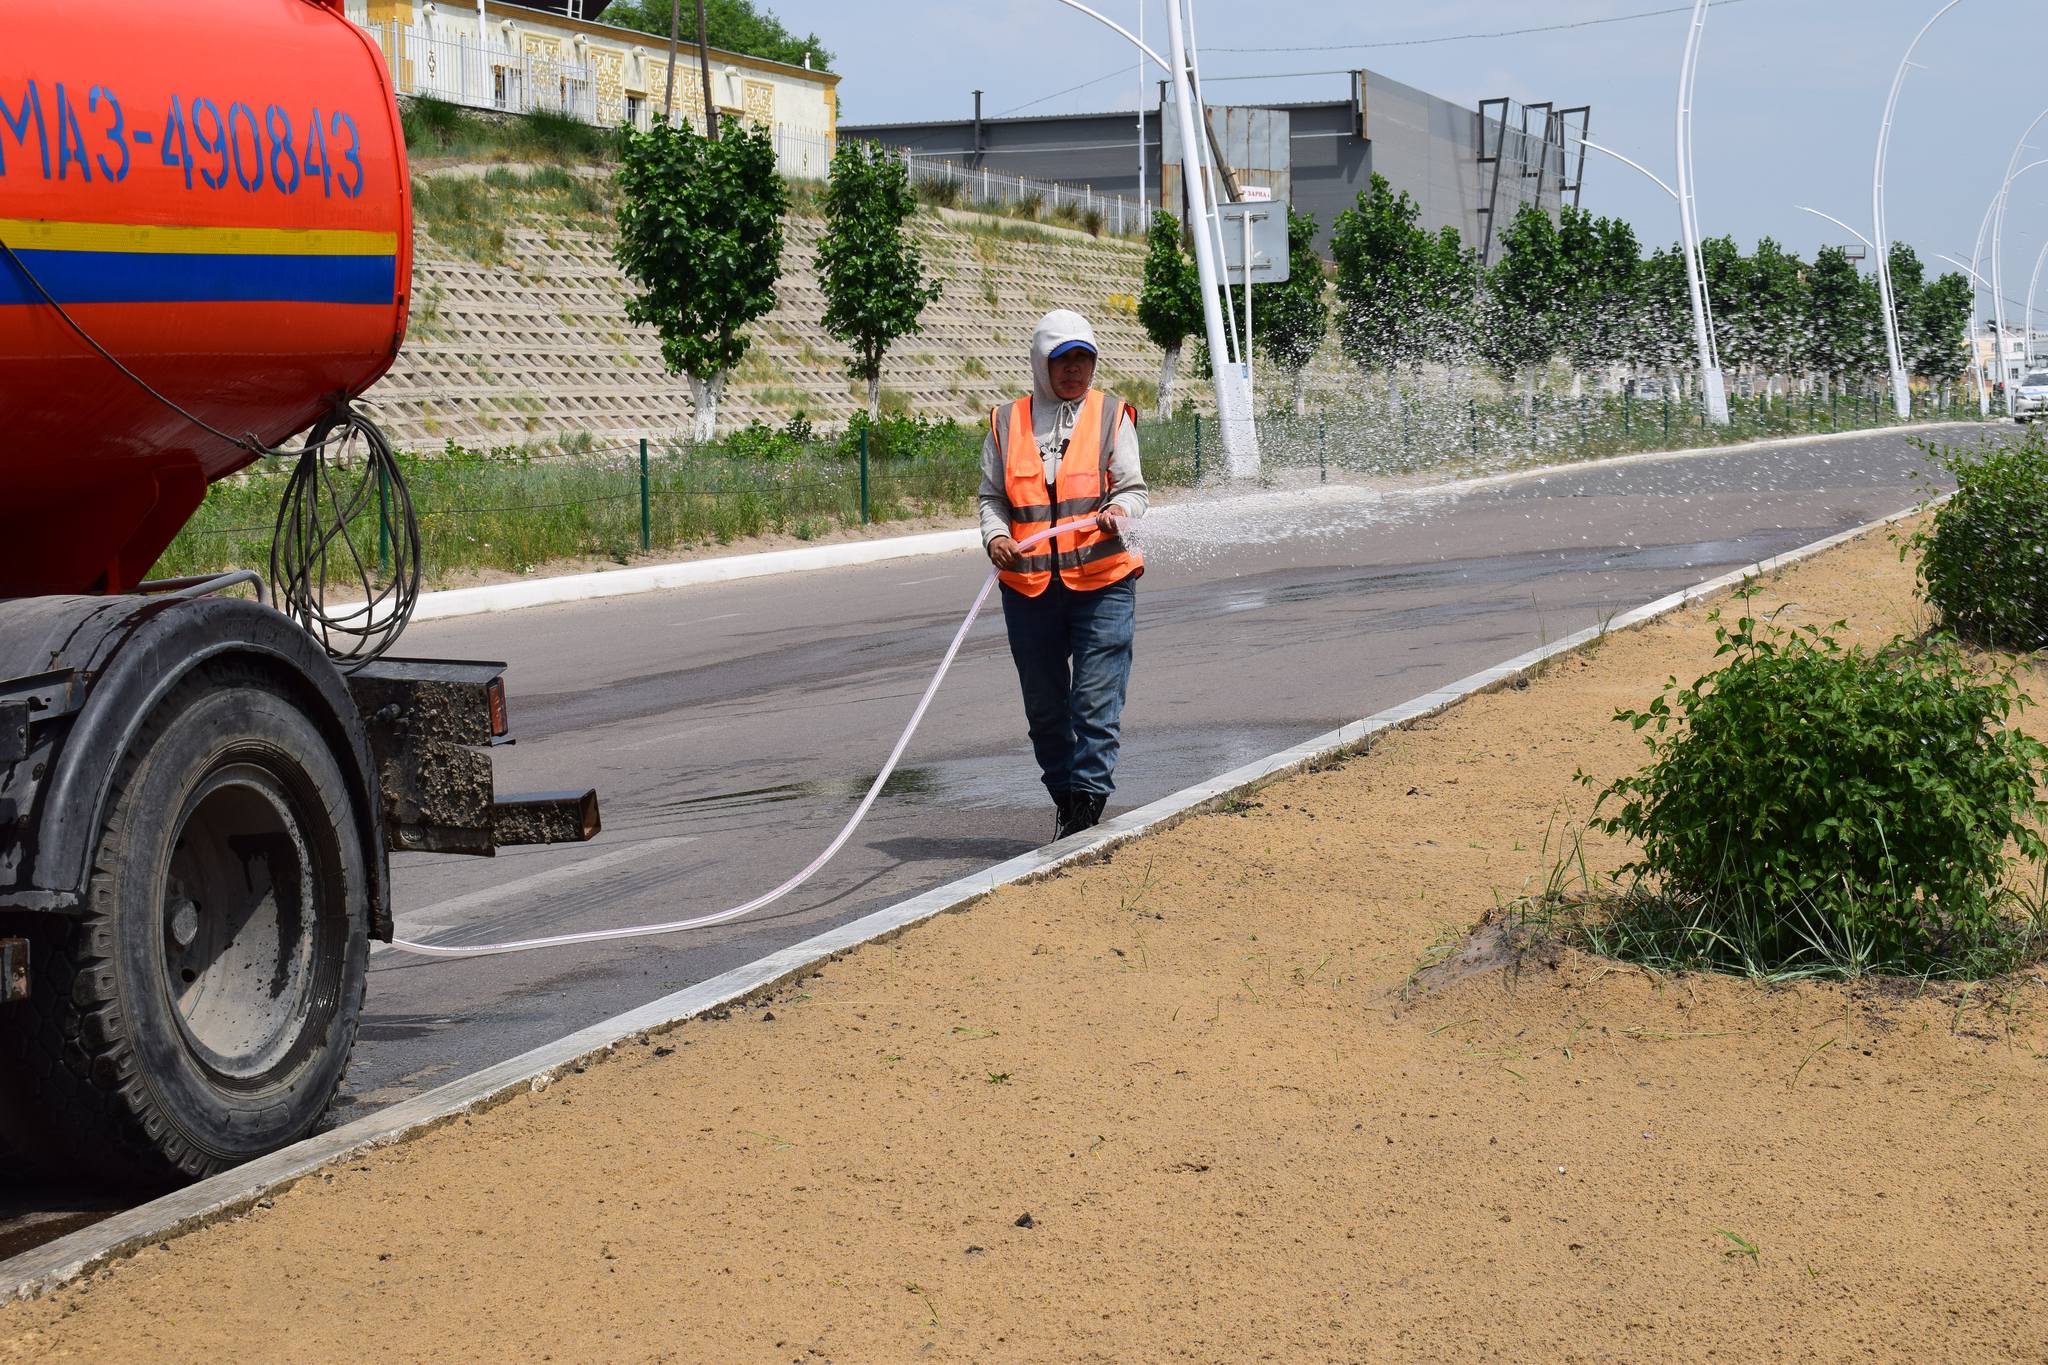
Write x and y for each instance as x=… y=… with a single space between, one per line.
x=319 y=509
x=346 y=522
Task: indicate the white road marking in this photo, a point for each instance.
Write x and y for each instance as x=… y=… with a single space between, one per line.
x=703 y=620
x=915 y=582
x=437 y=916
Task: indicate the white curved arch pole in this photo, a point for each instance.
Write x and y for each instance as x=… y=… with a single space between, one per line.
x=1998 y=249
x=2033 y=288
x=1626 y=161
x=1233 y=404
x=1713 y=390
x=1838 y=223
x=1902 y=399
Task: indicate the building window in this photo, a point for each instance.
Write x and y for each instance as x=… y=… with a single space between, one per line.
x=636 y=112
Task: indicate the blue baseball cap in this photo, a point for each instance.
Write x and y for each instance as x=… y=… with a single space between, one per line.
x=1075 y=345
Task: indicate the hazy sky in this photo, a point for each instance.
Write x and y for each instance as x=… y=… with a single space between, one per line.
x=1790 y=91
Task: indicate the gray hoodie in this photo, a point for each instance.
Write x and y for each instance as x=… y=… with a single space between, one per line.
x=1052 y=421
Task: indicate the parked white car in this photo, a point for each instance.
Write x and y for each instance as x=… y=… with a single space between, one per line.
x=2030 y=399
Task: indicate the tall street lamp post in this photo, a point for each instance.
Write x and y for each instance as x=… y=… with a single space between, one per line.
x=1998 y=248
x=1713 y=391
x=1902 y=399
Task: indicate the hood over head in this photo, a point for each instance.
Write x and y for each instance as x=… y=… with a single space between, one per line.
x=1055 y=330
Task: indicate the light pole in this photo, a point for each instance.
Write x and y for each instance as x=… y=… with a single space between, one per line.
x=1978 y=281
x=1998 y=249
x=1902 y=400
x=1233 y=406
x=1713 y=391
x=2033 y=286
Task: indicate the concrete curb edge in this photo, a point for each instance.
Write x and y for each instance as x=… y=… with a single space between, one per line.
x=56 y=1263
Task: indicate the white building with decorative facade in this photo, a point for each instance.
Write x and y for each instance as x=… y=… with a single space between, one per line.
x=555 y=55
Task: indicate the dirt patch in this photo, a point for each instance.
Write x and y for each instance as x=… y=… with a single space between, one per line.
x=1177 y=1105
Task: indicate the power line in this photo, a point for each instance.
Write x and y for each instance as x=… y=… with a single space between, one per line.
x=1470 y=37
x=1122 y=69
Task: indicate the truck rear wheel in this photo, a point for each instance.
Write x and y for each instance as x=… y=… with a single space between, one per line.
x=201 y=1011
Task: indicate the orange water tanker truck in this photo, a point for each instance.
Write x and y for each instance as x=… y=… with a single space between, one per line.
x=205 y=253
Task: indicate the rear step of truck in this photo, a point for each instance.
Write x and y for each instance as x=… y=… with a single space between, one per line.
x=431 y=724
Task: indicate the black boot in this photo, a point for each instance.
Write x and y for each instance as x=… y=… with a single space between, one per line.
x=1062 y=803
x=1082 y=810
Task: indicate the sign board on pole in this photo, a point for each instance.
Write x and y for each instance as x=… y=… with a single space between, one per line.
x=1255 y=194
x=1269 y=241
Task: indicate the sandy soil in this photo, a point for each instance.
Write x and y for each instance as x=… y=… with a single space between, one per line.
x=1179 y=1106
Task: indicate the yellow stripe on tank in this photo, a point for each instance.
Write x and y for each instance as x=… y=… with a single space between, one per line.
x=35 y=234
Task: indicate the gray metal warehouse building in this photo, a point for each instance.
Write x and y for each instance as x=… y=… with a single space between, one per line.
x=1467 y=168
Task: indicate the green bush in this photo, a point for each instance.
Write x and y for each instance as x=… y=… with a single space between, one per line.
x=1984 y=561
x=1815 y=808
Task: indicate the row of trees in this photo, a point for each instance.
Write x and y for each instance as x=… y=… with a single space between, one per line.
x=700 y=234
x=1575 y=288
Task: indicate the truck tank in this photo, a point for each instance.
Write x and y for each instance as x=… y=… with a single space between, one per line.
x=205 y=248
x=215 y=191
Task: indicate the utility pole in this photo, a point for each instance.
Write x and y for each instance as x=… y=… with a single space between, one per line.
x=1144 y=214
x=675 y=29
x=704 y=58
x=1902 y=398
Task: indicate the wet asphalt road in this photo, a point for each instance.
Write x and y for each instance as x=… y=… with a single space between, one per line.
x=729 y=729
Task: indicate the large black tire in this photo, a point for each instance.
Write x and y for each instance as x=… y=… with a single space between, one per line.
x=201 y=1011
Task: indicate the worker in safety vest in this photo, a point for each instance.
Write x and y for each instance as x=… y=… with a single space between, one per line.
x=1068 y=454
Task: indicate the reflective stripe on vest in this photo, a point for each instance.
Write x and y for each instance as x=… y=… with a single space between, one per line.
x=1087 y=558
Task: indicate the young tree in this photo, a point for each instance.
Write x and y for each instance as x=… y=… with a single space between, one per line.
x=1602 y=264
x=1449 y=292
x=700 y=233
x=1834 y=323
x=1774 y=309
x=1727 y=279
x=870 y=270
x=1526 y=293
x=1934 y=331
x=1383 y=281
x=1169 y=299
x=1290 y=318
x=1662 y=336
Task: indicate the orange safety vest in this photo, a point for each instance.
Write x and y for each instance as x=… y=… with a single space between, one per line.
x=1088 y=558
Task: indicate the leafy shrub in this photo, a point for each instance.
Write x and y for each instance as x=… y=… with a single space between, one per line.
x=899 y=437
x=1984 y=561
x=1819 y=808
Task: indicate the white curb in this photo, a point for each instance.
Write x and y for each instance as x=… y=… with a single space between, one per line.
x=47 y=1267
x=585 y=587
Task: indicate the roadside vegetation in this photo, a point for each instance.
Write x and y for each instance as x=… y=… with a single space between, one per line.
x=1812 y=809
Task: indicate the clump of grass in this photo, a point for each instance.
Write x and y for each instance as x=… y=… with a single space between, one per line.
x=943 y=193
x=1812 y=809
x=438 y=129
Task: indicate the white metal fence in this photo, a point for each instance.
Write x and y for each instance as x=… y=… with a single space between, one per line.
x=461 y=70
x=981 y=187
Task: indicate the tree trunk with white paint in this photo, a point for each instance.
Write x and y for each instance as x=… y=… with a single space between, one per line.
x=1167 y=366
x=705 y=391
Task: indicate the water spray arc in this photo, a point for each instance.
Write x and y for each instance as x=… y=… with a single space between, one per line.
x=1713 y=389
x=1902 y=398
x=1233 y=403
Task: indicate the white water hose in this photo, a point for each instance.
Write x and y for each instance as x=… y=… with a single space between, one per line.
x=527 y=945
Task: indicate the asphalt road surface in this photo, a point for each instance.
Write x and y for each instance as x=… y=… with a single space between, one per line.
x=730 y=729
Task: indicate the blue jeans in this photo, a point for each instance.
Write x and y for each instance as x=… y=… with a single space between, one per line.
x=1073 y=653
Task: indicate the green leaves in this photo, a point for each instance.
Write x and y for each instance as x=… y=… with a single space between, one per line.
x=700 y=233
x=1290 y=318
x=871 y=271
x=1389 y=273
x=1170 y=296
x=1808 y=792
x=1984 y=560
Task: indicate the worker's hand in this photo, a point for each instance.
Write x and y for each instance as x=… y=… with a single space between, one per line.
x=1003 y=553
x=1110 y=521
